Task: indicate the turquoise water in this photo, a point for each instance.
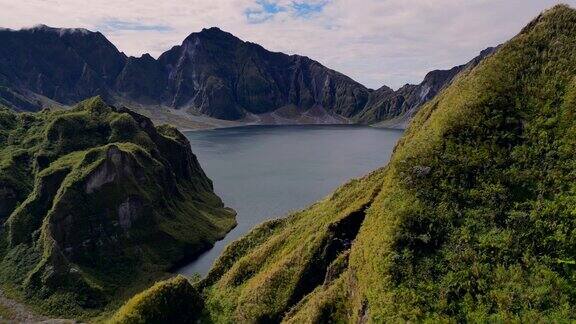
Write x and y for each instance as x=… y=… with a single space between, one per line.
x=264 y=172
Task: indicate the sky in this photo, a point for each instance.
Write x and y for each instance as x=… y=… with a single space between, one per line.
x=375 y=42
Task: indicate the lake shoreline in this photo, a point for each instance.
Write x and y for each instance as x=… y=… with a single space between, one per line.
x=268 y=171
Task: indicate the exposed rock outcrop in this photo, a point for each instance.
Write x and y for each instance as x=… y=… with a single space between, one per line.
x=212 y=73
x=8 y=201
x=114 y=200
x=129 y=211
x=118 y=166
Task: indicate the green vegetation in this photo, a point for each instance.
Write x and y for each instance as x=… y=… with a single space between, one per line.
x=97 y=204
x=170 y=301
x=472 y=220
x=6 y=314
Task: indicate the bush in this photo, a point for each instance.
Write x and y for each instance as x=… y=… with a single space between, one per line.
x=170 y=301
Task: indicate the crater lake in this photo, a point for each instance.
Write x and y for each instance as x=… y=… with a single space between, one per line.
x=265 y=172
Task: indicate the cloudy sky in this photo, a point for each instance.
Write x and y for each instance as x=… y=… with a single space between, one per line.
x=376 y=42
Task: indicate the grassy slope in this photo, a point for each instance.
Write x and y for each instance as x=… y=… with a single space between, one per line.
x=155 y=305
x=473 y=218
x=64 y=248
x=484 y=234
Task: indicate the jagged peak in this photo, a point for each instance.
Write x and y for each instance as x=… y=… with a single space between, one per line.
x=384 y=88
x=213 y=29
x=488 y=50
x=59 y=31
x=213 y=33
x=147 y=56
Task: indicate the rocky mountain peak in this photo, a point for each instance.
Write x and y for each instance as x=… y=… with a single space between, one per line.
x=147 y=57
x=384 y=88
x=212 y=73
x=59 y=31
x=213 y=34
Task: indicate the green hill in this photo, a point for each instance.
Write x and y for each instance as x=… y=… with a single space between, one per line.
x=97 y=203
x=472 y=220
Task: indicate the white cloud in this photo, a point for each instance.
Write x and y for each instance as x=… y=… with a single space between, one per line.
x=376 y=42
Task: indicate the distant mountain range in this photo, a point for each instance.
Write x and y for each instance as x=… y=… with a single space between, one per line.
x=212 y=73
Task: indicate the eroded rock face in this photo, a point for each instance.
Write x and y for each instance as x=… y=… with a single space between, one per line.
x=117 y=165
x=212 y=72
x=219 y=75
x=66 y=65
x=30 y=217
x=113 y=207
x=7 y=202
x=105 y=194
x=129 y=211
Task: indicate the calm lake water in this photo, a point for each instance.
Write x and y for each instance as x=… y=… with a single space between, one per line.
x=264 y=172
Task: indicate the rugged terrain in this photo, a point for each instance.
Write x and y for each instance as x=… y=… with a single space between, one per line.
x=471 y=221
x=396 y=108
x=212 y=79
x=96 y=202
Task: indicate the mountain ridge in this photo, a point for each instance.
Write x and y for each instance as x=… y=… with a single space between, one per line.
x=95 y=201
x=211 y=73
x=403 y=103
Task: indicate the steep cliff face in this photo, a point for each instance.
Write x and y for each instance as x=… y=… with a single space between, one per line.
x=471 y=221
x=142 y=80
x=97 y=199
x=212 y=73
x=66 y=65
x=221 y=76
